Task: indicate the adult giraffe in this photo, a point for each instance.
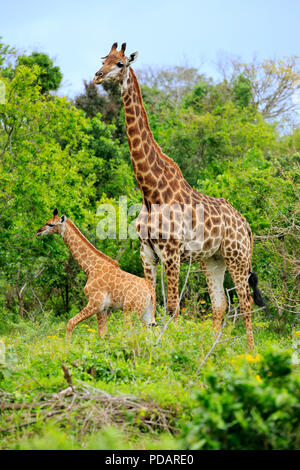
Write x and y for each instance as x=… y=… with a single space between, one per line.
x=226 y=238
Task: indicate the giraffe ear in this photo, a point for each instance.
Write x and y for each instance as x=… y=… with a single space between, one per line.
x=62 y=219
x=55 y=212
x=132 y=58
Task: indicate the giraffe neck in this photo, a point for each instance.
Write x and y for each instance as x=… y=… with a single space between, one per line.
x=154 y=171
x=82 y=250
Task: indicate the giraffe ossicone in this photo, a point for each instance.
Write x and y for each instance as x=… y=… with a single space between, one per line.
x=227 y=240
x=107 y=285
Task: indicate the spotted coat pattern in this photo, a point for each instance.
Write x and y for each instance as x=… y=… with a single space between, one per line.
x=107 y=285
x=226 y=235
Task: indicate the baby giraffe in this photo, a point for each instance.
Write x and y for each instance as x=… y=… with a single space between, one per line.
x=107 y=285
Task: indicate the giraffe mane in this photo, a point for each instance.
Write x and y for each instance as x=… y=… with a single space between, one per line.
x=102 y=255
x=165 y=157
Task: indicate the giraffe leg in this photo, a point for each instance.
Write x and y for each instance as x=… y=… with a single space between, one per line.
x=214 y=269
x=148 y=312
x=102 y=322
x=149 y=261
x=128 y=308
x=172 y=268
x=127 y=313
x=240 y=274
x=90 y=309
x=140 y=303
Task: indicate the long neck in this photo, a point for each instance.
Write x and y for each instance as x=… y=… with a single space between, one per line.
x=158 y=176
x=82 y=250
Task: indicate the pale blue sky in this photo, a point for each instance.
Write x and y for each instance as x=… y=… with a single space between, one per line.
x=165 y=32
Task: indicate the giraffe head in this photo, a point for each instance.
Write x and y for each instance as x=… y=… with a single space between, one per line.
x=54 y=225
x=115 y=65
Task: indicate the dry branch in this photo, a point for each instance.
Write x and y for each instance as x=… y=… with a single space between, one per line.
x=92 y=407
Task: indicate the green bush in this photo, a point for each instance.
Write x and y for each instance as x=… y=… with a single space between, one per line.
x=248 y=408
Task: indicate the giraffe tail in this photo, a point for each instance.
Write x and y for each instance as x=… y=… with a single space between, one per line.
x=257 y=295
x=253 y=279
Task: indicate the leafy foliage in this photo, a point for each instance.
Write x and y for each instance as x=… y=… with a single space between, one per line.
x=164 y=376
x=49 y=77
x=247 y=411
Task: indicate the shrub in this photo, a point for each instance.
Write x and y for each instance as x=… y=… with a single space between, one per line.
x=254 y=406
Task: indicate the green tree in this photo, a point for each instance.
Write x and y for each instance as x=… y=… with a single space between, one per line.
x=51 y=156
x=50 y=76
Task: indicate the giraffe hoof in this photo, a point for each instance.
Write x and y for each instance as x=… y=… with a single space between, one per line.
x=153 y=324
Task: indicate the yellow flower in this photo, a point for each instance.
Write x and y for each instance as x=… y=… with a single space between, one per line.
x=258 y=357
x=202 y=301
x=249 y=358
x=91 y=330
x=296 y=333
x=258 y=378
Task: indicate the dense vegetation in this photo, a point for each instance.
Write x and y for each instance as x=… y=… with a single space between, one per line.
x=228 y=139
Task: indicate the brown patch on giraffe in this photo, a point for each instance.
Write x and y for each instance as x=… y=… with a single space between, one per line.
x=133 y=130
x=215 y=231
x=156 y=169
x=151 y=180
x=216 y=220
x=137 y=154
x=162 y=182
x=142 y=167
x=167 y=195
x=146 y=149
x=151 y=156
x=130 y=110
x=174 y=185
x=156 y=196
x=130 y=120
x=141 y=124
x=146 y=190
x=179 y=199
x=136 y=142
x=207 y=221
x=186 y=198
x=168 y=173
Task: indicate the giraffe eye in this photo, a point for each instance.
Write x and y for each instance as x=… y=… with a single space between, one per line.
x=120 y=64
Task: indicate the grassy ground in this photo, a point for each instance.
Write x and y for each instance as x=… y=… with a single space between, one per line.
x=163 y=379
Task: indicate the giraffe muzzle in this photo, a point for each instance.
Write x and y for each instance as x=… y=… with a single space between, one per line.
x=98 y=78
